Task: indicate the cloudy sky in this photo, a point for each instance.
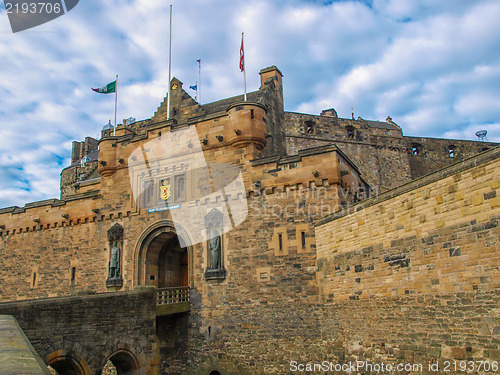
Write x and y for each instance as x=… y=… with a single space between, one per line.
x=433 y=66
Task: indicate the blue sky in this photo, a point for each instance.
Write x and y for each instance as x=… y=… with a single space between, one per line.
x=433 y=66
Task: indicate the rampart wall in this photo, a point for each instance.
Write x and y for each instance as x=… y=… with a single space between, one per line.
x=86 y=331
x=416 y=269
x=384 y=156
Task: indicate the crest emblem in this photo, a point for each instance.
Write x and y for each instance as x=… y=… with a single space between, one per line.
x=165 y=190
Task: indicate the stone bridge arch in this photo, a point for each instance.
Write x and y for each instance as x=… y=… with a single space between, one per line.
x=67 y=363
x=77 y=335
x=125 y=362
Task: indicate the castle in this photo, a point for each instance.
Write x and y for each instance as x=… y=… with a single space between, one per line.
x=267 y=241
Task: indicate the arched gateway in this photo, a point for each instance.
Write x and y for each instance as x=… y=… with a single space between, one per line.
x=159 y=258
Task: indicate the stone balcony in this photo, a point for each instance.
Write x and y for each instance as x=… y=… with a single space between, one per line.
x=172 y=300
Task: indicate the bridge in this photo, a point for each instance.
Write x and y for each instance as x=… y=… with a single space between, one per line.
x=79 y=334
x=172 y=301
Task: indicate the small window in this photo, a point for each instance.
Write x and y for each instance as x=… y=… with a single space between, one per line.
x=148 y=193
x=252 y=115
x=73 y=276
x=350 y=131
x=310 y=127
x=416 y=149
x=280 y=240
x=303 y=239
x=451 y=151
x=34 y=280
x=180 y=188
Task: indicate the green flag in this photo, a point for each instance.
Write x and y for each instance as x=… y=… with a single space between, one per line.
x=108 y=89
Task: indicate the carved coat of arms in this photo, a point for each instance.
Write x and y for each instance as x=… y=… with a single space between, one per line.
x=165 y=190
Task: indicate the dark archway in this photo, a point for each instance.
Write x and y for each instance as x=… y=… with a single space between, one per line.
x=125 y=362
x=67 y=365
x=161 y=261
x=172 y=264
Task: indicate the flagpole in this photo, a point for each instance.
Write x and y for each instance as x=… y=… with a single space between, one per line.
x=169 y=63
x=116 y=101
x=244 y=70
x=198 y=91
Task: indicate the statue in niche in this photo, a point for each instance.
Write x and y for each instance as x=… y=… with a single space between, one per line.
x=114 y=262
x=214 y=246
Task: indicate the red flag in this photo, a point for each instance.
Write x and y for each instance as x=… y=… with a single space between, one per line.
x=242 y=56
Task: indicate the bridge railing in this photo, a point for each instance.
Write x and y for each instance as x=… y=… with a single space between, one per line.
x=167 y=296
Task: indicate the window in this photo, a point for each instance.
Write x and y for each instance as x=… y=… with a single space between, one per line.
x=148 y=193
x=303 y=239
x=73 y=276
x=350 y=131
x=416 y=149
x=451 y=151
x=280 y=240
x=180 y=188
x=310 y=128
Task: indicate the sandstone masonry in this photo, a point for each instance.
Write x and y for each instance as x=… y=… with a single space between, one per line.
x=345 y=240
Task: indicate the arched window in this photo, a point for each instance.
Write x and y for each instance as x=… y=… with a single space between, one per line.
x=148 y=193
x=180 y=188
x=214 y=372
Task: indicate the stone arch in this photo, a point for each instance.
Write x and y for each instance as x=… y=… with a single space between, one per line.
x=125 y=362
x=162 y=229
x=66 y=363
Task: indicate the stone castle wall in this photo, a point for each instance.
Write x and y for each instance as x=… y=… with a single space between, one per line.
x=427 y=253
x=434 y=154
x=383 y=155
x=89 y=329
x=82 y=149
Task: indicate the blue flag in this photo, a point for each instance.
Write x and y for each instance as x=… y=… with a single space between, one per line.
x=194 y=87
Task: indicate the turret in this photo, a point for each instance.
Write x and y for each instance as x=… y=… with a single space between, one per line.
x=247 y=125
